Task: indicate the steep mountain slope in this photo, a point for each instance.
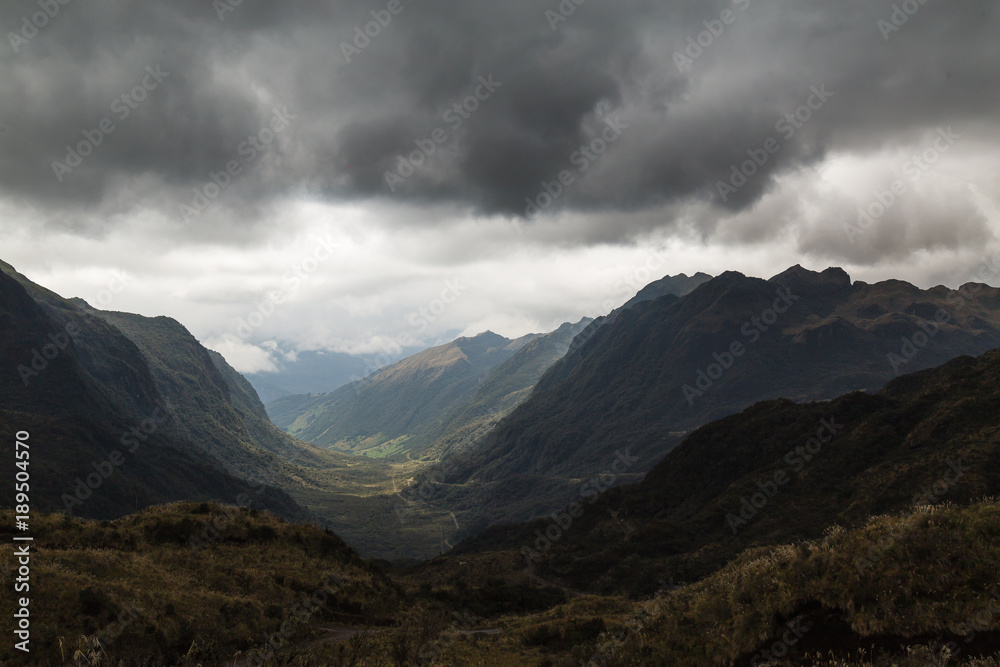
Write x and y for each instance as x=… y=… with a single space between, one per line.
x=380 y=414
x=669 y=287
x=223 y=413
x=186 y=374
x=662 y=368
x=104 y=440
x=506 y=387
x=678 y=285
x=242 y=395
x=781 y=472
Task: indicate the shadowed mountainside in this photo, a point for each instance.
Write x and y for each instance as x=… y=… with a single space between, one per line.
x=105 y=440
x=641 y=383
x=780 y=472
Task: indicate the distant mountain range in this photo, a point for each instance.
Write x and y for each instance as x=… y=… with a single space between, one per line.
x=378 y=415
x=316 y=372
x=311 y=372
x=507 y=386
x=641 y=381
x=444 y=398
x=440 y=397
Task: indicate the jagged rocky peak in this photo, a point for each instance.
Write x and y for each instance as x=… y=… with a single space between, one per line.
x=797 y=276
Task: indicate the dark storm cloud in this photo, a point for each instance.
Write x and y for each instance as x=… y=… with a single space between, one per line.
x=558 y=88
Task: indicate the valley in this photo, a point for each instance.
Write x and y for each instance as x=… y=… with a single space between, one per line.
x=573 y=333
x=558 y=499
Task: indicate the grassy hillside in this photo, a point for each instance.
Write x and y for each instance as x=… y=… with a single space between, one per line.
x=902 y=590
x=436 y=401
x=165 y=587
x=931 y=592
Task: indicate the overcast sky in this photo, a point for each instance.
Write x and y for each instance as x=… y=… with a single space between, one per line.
x=370 y=175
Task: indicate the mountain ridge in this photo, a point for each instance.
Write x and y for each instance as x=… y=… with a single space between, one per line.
x=624 y=387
